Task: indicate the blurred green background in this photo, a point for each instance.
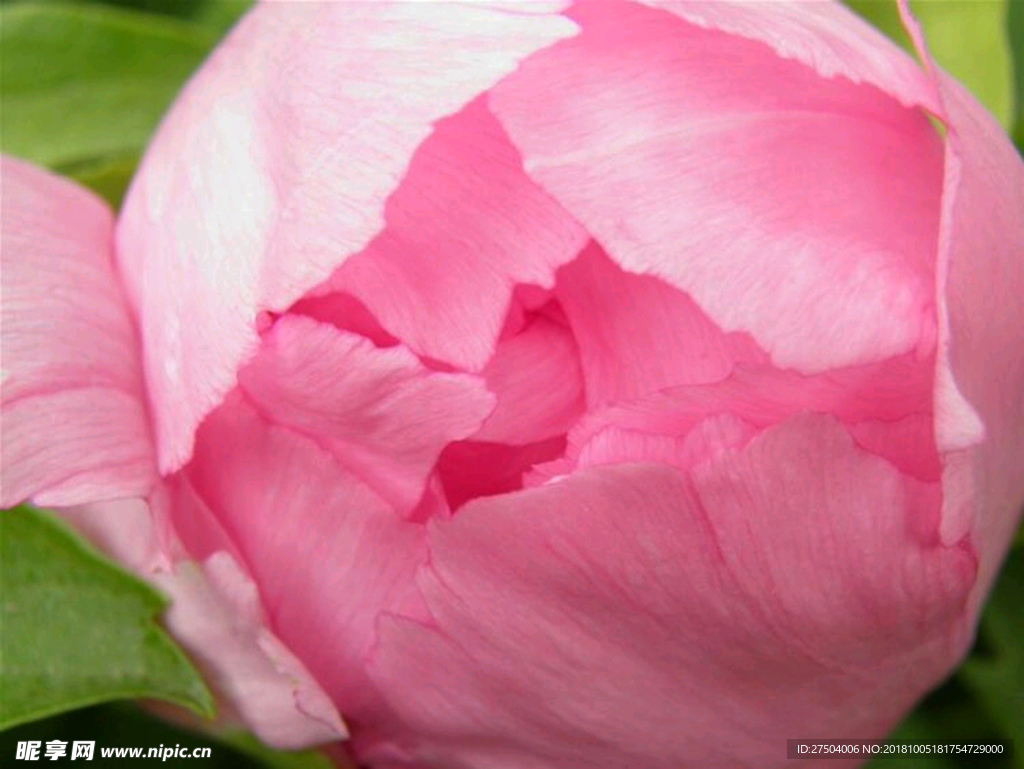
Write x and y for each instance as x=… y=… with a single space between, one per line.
x=82 y=86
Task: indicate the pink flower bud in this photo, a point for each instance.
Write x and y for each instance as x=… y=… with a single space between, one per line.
x=622 y=384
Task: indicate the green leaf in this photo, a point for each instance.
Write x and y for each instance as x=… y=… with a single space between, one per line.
x=995 y=673
x=948 y=714
x=108 y=177
x=967 y=37
x=1015 y=32
x=82 y=83
x=215 y=14
x=119 y=725
x=885 y=17
x=76 y=630
x=183 y=9
x=921 y=729
x=124 y=724
x=221 y=15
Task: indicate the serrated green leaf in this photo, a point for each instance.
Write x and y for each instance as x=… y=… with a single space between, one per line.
x=75 y=630
x=82 y=83
x=967 y=37
x=997 y=677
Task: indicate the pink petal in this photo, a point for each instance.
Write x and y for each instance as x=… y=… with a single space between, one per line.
x=274 y=167
x=381 y=413
x=326 y=552
x=471 y=469
x=667 y=430
x=707 y=440
x=908 y=443
x=463 y=228
x=215 y=615
x=537 y=380
x=676 y=620
x=637 y=334
x=74 y=419
x=822 y=34
x=979 y=397
x=347 y=313
x=801 y=210
x=887 y=392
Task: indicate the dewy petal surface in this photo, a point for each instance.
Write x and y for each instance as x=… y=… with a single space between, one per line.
x=381 y=413
x=676 y=620
x=801 y=210
x=979 y=396
x=73 y=414
x=274 y=166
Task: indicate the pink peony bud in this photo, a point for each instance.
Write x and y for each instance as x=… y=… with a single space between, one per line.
x=629 y=384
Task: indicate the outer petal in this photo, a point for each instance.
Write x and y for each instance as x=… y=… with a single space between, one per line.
x=215 y=614
x=72 y=405
x=274 y=167
x=822 y=34
x=798 y=209
x=381 y=413
x=676 y=620
x=327 y=554
x=979 y=397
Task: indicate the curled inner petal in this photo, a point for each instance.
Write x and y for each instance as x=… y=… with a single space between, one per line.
x=379 y=411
